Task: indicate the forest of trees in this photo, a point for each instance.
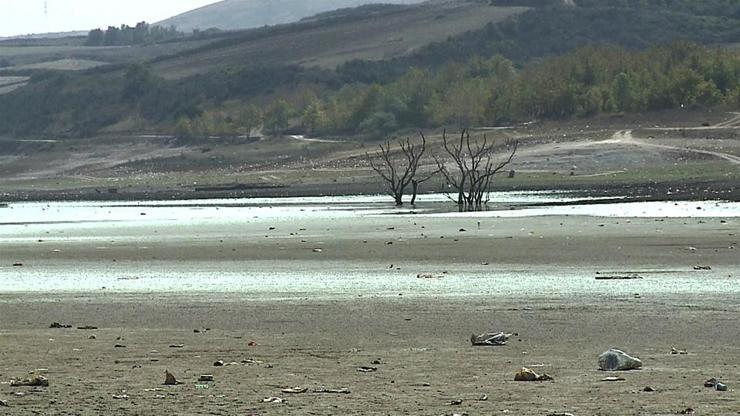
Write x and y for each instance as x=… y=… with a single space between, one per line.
x=492 y=91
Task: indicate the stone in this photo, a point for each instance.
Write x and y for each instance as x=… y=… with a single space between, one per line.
x=617 y=360
x=525 y=374
x=170 y=380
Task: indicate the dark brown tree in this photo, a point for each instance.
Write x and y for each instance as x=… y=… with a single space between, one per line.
x=399 y=169
x=474 y=167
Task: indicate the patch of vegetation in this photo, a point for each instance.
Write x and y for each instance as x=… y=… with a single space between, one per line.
x=558 y=29
x=126 y=35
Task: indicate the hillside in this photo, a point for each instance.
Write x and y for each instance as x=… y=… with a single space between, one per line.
x=435 y=63
x=366 y=33
x=245 y=14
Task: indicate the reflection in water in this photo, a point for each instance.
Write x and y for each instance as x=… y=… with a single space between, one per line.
x=503 y=204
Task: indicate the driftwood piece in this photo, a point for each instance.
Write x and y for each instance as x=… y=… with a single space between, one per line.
x=489 y=339
x=619 y=277
x=38 y=381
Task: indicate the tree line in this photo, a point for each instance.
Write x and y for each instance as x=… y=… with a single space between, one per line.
x=493 y=91
x=126 y=35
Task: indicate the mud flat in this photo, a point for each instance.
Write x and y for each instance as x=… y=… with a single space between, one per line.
x=303 y=293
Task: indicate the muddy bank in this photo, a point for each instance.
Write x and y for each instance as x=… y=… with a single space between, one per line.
x=648 y=191
x=420 y=349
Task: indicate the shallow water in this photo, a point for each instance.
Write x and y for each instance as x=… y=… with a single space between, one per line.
x=332 y=280
x=180 y=222
x=220 y=211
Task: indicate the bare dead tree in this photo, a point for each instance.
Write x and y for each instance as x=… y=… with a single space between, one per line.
x=398 y=170
x=475 y=167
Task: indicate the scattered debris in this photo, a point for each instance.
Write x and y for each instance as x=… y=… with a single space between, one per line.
x=177 y=346
x=324 y=390
x=702 y=268
x=456 y=402
x=318 y=250
x=619 y=277
x=206 y=378
x=613 y=379
x=715 y=384
x=617 y=360
x=57 y=325
x=687 y=411
x=483 y=398
x=252 y=344
x=119 y=346
x=17 y=264
x=648 y=389
x=38 y=381
x=92 y=337
x=295 y=390
x=365 y=369
x=273 y=400
x=170 y=380
x=560 y=414
x=87 y=328
x=3 y=403
x=490 y=339
x=525 y=374
x=429 y=276
x=675 y=351
x=121 y=396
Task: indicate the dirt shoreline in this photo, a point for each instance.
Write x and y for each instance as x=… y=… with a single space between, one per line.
x=636 y=192
x=420 y=348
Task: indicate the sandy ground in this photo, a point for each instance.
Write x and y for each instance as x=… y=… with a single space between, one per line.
x=419 y=340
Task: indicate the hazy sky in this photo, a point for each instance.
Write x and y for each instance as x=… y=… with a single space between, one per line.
x=27 y=16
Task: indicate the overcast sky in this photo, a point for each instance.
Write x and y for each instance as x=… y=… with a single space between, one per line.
x=27 y=16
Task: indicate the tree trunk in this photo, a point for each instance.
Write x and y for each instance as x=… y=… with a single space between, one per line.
x=399 y=199
x=461 y=192
x=415 y=189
